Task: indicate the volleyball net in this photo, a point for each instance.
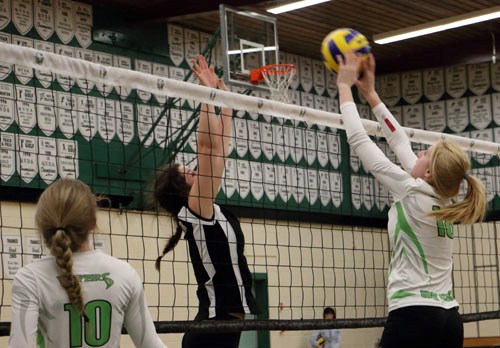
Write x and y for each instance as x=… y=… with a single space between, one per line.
x=313 y=218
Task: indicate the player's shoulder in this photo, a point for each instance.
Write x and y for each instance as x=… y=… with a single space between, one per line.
x=113 y=262
x=37 y=266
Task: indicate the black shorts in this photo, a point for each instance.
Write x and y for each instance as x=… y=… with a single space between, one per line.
x=212 y=340
x=423 y=327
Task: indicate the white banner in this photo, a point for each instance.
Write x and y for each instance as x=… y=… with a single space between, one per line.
x=356 y=190
x=478 y=78
x=22 y=15
x=325 y=196
x=456 y=81
x=7 y=156
x=106 y=119
x=390 y=91
x=47 y=159
x=306 y=73
x=412 y=89
x=434 y=83
x=336 y=189
x=44 y=18
x=435 y=116
x=312 y=186
x=480 y=111
x=67 y=118
x=5 y=13
x=27 y=157
x=319 y=80
x=125 y=122
x=176 y=44
x=160 y=131
x=87 y=116
x=25 y=108
x=241 y=132
x=457 y=115
x=243 y=169
x=83 y=24
x=5 y=69
x=144 y=124
x=413 y=116
x=67 y=159
x=191 y=44
x=7 y=109
x=296 y=141
x=257 y=186
x=64 y=20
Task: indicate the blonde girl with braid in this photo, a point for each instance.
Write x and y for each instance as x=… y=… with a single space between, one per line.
x=76 y=297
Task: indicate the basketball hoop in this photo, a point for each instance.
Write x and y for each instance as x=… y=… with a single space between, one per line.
x=277 y=77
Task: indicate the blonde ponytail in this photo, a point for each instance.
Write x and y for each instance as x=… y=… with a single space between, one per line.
x=65 y=216
x=471 y=209
x=61 y=243
x=449 y=165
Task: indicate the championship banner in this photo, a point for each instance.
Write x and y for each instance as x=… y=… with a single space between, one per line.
x=456 y=81
x=411 y=85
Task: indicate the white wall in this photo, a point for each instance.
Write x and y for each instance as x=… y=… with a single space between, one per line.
x=309 y=266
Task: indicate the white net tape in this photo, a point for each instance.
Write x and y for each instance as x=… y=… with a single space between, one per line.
x=80 y=69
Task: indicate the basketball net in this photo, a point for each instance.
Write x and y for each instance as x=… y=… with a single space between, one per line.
x=277 y=77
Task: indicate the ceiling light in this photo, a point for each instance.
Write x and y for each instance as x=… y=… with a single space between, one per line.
x=439 y=25
x=294 y=6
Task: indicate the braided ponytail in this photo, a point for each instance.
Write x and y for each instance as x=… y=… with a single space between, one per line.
x=171 y=244
x=65 y=216
x=61 y=249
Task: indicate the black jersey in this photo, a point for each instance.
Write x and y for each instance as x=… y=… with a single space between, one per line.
x=216 y=249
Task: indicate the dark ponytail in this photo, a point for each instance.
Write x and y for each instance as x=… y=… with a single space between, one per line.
x=171 y=244
x=170 y=192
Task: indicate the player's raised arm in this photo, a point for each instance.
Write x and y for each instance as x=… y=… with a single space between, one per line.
x=211 y=147
x=394 y=133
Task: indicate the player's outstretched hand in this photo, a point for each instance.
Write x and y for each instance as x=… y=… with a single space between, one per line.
x=366 y=84
x=348 y=69
x=205 y=73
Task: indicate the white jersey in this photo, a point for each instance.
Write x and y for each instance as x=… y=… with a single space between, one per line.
x=42 y=315
x=420 y=272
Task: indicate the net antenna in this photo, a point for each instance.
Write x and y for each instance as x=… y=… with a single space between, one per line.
x=277 y=77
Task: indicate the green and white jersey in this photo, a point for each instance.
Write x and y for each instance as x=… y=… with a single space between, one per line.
x=42 y=315
x=420 y=272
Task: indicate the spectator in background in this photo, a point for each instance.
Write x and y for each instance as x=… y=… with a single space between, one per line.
x=326 y=338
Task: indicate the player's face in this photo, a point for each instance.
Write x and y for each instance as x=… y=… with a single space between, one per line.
x=329 y=316
x=421 y=169
x=189 y=174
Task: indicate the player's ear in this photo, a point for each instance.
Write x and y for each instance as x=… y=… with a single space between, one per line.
x=428 y=175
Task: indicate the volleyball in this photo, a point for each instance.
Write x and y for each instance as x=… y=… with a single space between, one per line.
x=341 y=41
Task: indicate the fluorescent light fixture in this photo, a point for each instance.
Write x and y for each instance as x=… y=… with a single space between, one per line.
x=439 y=25
x=294 y=6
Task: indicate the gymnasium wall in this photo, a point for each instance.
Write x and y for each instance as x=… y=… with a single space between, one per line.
x=309 y=266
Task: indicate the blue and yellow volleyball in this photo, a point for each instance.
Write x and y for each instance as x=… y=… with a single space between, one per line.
x=341 y=41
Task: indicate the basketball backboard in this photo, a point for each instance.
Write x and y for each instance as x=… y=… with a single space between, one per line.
x=249 y=41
